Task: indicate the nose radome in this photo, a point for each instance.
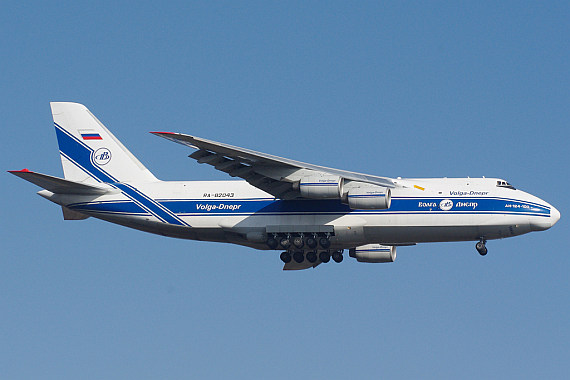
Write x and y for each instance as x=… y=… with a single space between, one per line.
x=554 y=215
x=542 y=223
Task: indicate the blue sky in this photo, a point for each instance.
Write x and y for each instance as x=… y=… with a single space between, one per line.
x=407 y=89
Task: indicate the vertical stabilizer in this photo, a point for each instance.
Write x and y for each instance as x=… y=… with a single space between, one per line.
x=89 y=152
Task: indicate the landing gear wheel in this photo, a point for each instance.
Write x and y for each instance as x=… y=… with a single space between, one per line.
x=298 y=257
x=272 y=243
x=285 y=242
x=480 y=247
x=325 y=257
x=337 y=256
x=311 y=242
x=325 y=242
x=285 y=257
x=311 y=257
x=298 y=242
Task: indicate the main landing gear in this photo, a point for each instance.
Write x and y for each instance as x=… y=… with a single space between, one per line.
x=290 y=241
x=311 y=256
x=480 y=247
x=304 y=246
x=337 y=256
x=285 y=257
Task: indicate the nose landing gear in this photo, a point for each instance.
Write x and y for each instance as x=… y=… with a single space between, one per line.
x=481 y=248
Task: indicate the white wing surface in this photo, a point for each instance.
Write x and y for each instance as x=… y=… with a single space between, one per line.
x=275 y=175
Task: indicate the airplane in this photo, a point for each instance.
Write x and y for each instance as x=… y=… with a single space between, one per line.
x=308 y=212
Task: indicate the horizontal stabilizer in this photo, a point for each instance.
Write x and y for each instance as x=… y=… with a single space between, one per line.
x=58 y=185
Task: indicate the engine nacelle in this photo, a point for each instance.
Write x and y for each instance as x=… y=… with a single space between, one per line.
x=373 y=253
x=369 y=198
x=321 y=186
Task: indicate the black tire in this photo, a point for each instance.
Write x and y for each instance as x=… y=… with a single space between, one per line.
x=298 y=257
x=311 y=242
x=337 y=257
x=272 y=243
x=285 y=257
x=480 y=247
x=325 y=242
x=298 y=242
x=311 y=257
x=325 y=257
x=285 y=243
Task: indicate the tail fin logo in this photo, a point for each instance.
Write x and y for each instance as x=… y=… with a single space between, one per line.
x=102 y=156
x=89 y=134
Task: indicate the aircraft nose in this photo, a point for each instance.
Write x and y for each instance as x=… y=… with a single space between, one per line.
x=542 y=223
x=554 y=216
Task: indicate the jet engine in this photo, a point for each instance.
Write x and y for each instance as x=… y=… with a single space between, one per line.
x=321 y=186
x=373 y=253
x=369 y=198
x=357 y=195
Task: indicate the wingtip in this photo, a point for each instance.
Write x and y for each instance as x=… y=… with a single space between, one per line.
x=20 y=171
x=162 y=133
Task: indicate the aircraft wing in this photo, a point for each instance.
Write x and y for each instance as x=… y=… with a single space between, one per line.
x=275 y=175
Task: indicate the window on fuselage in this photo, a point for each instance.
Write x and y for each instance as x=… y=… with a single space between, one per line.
x=505 y=184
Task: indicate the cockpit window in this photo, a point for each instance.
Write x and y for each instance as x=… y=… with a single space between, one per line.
x=505 y=184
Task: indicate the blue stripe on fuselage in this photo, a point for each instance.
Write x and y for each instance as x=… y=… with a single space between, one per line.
x=424 y=206
x=112 y=207
x=151 y=205
x=399 y=205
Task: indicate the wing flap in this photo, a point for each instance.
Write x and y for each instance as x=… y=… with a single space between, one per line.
x=58 y=185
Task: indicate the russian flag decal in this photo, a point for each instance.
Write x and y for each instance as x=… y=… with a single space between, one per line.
x=90 y=135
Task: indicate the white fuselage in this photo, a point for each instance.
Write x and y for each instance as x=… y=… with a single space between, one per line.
x=422 y=210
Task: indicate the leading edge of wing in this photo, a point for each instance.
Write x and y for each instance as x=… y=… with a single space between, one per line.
x=267 y=159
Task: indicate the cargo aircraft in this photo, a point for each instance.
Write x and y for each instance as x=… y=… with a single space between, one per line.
x=308 y=212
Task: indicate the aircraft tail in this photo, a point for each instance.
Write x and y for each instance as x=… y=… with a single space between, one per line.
x=89 y=152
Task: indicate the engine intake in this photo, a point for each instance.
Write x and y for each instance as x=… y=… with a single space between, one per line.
x=373 y=253
x=369 y=198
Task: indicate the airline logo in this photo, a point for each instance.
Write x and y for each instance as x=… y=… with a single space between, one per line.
x=102 y=156
x=468 y=193
x=214 y=207
x=446 y=204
